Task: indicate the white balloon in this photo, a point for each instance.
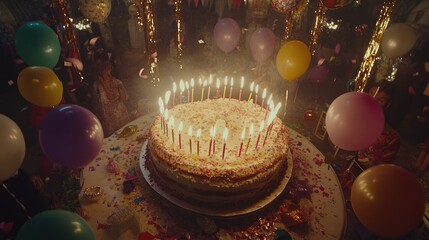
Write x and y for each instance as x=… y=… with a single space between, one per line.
x=398 y=39
x=12 y=147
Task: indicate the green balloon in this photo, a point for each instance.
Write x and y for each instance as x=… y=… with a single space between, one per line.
x=38 y=45
x=54 y=225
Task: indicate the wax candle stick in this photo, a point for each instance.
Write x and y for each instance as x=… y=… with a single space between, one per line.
x=286 y=97
x=269 y=124
x=251 y=129
x=256 y=94
x=261 y=128
x=182 y=89
x=214 y=139
x=161 y=111
x=165 y=121
x=251 y=90
x=210 y=85
x=225 y=82
x=243 y=133
x=264 y=94
x=198 y=141
x=230 y=89
x=202 y=90
x=174 y=93
x=217 y=87
x=211 y=141
x=224 y=137
x=241 y=88
x=190 y=138
x=171 y=124
x=189 y=93
x=179 y=131
x=192 y=90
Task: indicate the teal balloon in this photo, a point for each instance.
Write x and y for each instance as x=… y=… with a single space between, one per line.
x=55 y=225
x=281 y=234
x=38 y=45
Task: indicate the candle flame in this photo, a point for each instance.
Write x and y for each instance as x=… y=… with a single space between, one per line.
x=174 y=87
x=182 y=85
x=210 y=79
x=192 y=82
x=171 y=122
x=190 y=131
x=200 y=81
x=271 y=106
x=261 y=126
x=167 y=96
x=211 y=132
x=187 y=84
x=199 y=133
x=270 y=99
x=242 y=82
x=251 y=86
x=232 y=81
x=166 y=114
x=257 y=88
x=180 y=127
x=271 y=117
x=251 y=129
x=264 y=93
x=276 y=110
x=161 y=105
x=217 y=83
x=205 y=83
x=225 y=82
x=225 y=134
x=243 y=134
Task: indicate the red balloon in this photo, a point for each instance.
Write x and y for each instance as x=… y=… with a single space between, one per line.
x=71 y=136
x=388 y=200
x=354 y=121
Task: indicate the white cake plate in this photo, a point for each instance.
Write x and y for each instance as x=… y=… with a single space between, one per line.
x=209 y=211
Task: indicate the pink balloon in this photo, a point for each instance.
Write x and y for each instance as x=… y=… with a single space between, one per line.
x=354 y=121
x=262 y=44
x=226 y=34
x=319 y=74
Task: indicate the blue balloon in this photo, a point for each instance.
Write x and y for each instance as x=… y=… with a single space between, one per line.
x=38 y=45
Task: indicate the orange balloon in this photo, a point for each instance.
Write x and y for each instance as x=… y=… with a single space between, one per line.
x=388 y=200
x=293 y=60
x=40 y=86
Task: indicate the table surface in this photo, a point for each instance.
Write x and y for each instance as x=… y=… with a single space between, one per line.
x=313 y=192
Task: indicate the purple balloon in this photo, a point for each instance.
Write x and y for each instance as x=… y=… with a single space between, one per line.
x=71 y=136
x=354 y=121
x=319 y=74
x=226 y=34
x=262 y=44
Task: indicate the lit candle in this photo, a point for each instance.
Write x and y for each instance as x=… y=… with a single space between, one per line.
x=187 y=88
x=182 y=89
x=210 y=85
x=190 y=138
x=243 y=133
x=165 y=122
x=174 y=93
x=269 y=124
x=251 y=129
x=211 y=141
x=224 y=137
x=217 y=87
x=192 y=90
x=161 y=111
x=214 y=139
x=251 y=90
x=268 y=104
x=230 y=89
x=225 y=82
x=171 y=125
x=198 y=141
x=167 y=98
x=286 y=97
x=256 y=94
x=202 y=90
x=264 y=94
x=275 y=111
x=241 y=88
x=261 y=128
x=179 y=131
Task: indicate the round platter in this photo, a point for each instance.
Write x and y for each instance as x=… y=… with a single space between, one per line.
x=208 y=211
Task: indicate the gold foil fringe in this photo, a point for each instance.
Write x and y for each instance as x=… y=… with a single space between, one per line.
x=320 y=14
x=178 y=13
x=151 y=42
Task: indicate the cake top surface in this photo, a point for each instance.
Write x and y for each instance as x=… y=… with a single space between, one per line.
x=256 y=154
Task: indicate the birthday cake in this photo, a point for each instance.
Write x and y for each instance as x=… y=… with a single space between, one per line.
x=218 y=151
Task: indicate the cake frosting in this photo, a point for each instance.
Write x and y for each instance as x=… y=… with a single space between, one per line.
x=223 y=176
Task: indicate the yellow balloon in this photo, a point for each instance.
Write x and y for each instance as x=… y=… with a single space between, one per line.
x=40 y=86
x=293 y=60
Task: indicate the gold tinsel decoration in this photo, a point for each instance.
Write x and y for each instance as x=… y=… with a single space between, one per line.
x=320 y=14
x=178 y=13
x=140 y=18
x=151 y=42
x=291 y=17
x=374 y=44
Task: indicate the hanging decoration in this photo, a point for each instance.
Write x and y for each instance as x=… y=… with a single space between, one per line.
x=178 y=13
x=320 y=14
x=95 y=10
x=140 y=17
x=374 y=44
x=259 y=8
x=283 y=6
x=291 y=17
x=151 y=42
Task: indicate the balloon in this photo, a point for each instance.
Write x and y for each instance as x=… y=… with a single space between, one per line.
x=388 y=200
x=354 y=121
x=262 y=44
x=319 y=74
x=37 y=44
x=398 y=39
x=283 y=6
x=71 y=136
x=54 y=225
x=12 y=147
x=76 y=63
x=226 y=34
x=293 y=60
x=40 y=86
x=95 y=10
x=333 y=4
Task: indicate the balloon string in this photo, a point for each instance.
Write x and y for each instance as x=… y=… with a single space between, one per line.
x=17 y=201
